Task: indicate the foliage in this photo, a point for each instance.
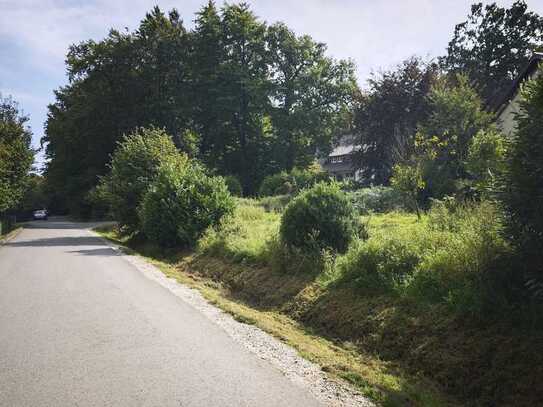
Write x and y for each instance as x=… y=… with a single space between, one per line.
x=182 y=202
x=455 y=255
x=380 y=264
x=292 y=182
x=387 y=117
x=321 y=217
x=443 y=139
x=493 y=45
x=34 y=196
x=245 y=99
x=276 y=203
x=407 y=180
x=486 y=160
x=125 y=81
x=378 y=199
x=311 y=96
x=523 y=184
x=16 y=154
x=134 y=166
x=234 y=186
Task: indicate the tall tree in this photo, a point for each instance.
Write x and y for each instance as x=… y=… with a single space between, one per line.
x=387 y=116
x=16 y=154
x=493 y=45
x=244 y=73
x=445 y=136
x=311 y=96
x=125 y=81
x=209 y=111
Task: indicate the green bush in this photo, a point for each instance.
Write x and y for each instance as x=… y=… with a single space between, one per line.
x=523 y=184
x=133 y=168
x=377 y=199
x=234 y=185
x=321 y=217
x=182 y=203
x=486 y=160
x=291 y=182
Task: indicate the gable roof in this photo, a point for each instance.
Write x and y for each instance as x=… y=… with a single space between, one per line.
x=526 y=73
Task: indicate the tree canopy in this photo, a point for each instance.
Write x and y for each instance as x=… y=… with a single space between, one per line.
x=387 y=116
x=245 y=98
x=493 y=45
x=16 y=154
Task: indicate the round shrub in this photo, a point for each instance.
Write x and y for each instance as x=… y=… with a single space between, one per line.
x=233 y=185
x=182 y=203
x=321 y=217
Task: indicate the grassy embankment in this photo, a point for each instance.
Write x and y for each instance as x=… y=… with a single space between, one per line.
x=379 y=316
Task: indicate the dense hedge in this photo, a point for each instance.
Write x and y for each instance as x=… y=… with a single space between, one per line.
x=182 y=203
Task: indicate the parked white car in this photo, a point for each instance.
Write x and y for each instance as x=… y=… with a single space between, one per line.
x=40 y=214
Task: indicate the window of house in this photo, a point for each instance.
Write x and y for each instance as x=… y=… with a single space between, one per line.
x=337 y=159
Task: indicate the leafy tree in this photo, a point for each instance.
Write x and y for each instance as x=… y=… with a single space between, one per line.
x=115 y=85
x=311 y=96
x=16 y=154
x=386 y=117
x=444 y=138
x=216 y=90
x=486 y=161
x=523 y=184
x=246 y=99
x=209 y=111
x=34 y=196
x=493 y=45
x=134 y=166
x=407 y=179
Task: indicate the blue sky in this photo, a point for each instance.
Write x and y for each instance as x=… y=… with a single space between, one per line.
x=35 y=34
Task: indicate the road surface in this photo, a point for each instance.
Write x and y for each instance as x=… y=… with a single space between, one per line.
x=81 y=326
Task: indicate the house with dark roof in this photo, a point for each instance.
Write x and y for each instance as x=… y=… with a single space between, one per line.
x=508 y=106
x=340 y=162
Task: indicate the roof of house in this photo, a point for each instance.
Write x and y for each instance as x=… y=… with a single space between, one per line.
x=528 y=70
x=344 y=150
x=346 y=146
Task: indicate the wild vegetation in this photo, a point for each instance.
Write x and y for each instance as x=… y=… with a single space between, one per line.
x=245 y=98
x=424 y=278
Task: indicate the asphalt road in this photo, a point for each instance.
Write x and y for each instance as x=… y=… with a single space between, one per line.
x=81 y=326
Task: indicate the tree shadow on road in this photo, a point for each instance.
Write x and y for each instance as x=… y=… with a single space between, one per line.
x=59 y=241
